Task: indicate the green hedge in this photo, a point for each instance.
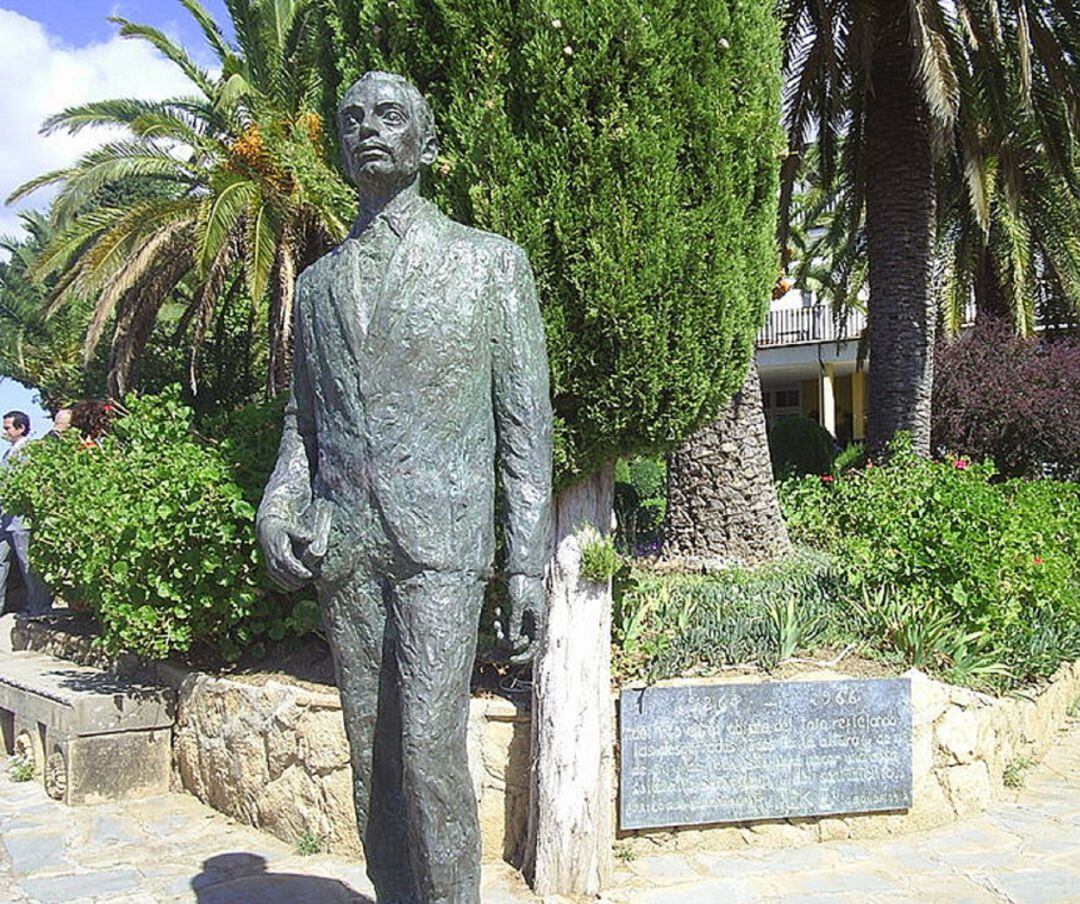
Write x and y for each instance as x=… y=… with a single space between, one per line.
x=150 y=531
x=631 y=147
x=798 y=446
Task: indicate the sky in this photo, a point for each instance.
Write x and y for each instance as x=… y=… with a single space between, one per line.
x=58 y=53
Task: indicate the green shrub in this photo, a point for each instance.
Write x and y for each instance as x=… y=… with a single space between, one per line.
x=20 y=768
x=640 y=504
x=152 y=533
x=309 y=843
x=986 y=573
x=599 y=559
x=1015 y=773
x=799 y=445
x=853 y=455
x=248 y=438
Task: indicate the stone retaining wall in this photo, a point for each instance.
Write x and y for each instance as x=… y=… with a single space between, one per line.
x=275 y=756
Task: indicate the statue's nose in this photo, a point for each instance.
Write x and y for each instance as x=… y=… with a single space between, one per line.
x=369 y=125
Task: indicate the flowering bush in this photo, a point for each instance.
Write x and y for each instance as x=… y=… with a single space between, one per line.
x=150 y=531
x=997 y=563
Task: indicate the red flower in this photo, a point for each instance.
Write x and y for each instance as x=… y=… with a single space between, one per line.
x=961 y=464
x=1038 y=560
x=826 y=478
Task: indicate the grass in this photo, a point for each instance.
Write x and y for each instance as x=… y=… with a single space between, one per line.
x=20 y=768
x=624 y=853
x=1073 y=712
x=1015 y=772
x=599 y=559
x=309 y=844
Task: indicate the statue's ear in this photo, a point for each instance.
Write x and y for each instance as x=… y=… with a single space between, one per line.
x=430 y=151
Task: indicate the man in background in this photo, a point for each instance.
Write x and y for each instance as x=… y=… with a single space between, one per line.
x=61 y=422
x=14 y=533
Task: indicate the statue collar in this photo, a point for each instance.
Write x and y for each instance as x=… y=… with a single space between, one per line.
x=399 y=214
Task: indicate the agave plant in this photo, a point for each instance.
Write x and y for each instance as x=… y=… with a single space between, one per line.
x=232 y=176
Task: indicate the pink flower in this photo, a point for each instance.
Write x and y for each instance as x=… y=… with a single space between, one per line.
x=961 y=464
x=826 y=478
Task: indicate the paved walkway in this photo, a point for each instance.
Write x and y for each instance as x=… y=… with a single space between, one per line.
x=1026 y=850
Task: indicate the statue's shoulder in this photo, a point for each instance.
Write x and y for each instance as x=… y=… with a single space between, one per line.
x=316 y=274
x=497 y=250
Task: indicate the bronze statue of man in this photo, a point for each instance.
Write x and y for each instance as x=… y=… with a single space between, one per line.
x=420 y=383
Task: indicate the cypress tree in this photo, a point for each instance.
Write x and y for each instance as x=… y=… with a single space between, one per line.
x=630 y=146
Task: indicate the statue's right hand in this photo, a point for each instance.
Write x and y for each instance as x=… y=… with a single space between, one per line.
x=284 y=542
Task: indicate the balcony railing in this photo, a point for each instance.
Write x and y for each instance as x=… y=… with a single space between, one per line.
x=794 y=326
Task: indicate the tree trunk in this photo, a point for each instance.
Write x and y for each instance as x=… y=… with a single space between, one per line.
x=572 y=806
x=900 y=222
x=279 y=320
x=990 y=301
x=721 y=502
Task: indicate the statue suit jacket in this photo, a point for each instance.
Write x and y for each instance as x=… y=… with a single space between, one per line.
x=402 y=393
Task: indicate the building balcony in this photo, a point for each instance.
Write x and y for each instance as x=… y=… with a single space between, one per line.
x=816 y=323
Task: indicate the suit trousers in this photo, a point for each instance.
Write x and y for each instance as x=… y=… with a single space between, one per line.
x=403 y=648
x=17 y=541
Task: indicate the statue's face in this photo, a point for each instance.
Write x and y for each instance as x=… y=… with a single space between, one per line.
x=381 y=134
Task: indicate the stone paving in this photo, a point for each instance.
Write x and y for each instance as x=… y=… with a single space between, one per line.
x=1025 y=850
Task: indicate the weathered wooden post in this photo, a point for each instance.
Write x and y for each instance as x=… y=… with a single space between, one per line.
x=572 y=808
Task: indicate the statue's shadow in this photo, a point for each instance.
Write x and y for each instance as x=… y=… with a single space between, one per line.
x=242 y=878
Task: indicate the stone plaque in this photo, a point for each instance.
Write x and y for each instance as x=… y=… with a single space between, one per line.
x=698 y=754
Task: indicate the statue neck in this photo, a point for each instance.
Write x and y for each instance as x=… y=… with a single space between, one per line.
x=373 y=202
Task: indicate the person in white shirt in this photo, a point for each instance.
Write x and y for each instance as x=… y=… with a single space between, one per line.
x=14 y=533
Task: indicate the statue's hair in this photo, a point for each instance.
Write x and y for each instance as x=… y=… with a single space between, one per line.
x=417 y=100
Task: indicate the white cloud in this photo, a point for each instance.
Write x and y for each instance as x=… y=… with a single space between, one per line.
x=42 y=76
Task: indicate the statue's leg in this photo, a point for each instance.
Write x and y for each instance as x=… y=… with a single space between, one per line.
x=361 y=640
x=436 y=614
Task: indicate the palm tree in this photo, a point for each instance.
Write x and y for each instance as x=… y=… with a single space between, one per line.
x=721 y=501
x=885 y=88
x=232 y=176
x=1010 y=192
x=35 y=350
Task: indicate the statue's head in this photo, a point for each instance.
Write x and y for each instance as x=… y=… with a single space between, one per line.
x=387 y=131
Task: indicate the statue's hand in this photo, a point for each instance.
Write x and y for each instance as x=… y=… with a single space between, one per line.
x=528 y=603
x=287 y=547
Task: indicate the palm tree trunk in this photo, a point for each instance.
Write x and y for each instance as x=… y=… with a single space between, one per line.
x=282 y=290
x=990 y=302
x=721 y=503
x=899 y=218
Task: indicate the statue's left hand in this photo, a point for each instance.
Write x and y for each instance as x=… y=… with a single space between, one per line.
x=528 y=604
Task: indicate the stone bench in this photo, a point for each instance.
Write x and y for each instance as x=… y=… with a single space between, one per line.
x=90 y=735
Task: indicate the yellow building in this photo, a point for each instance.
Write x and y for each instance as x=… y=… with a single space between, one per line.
x=807 y=365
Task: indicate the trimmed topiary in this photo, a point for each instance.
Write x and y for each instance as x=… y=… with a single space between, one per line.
x=799 y=445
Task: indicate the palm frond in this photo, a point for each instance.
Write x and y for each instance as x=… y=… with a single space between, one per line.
x=219 y=214
x=169 y=49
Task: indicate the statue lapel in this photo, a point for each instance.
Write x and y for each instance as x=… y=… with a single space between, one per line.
x=405 y=280
x=345 y=296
